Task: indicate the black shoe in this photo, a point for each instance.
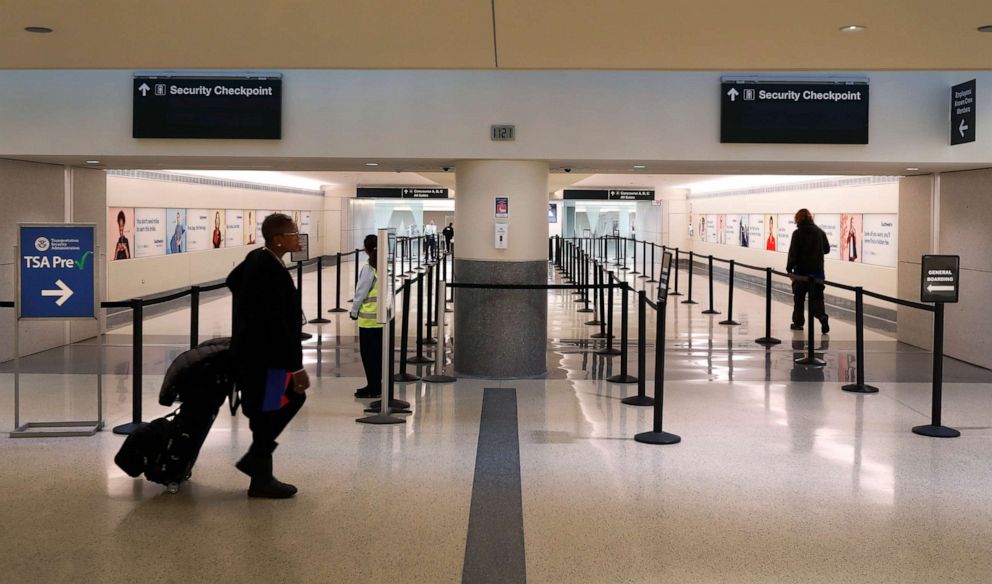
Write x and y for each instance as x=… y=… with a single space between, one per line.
x=270 y=488
x=796 y=327
x=824 y=327
x=361 y=391
x=367 y=394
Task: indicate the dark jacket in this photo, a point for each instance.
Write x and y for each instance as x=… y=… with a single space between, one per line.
x=806 y=250
x=267 y=321
x=448 y=232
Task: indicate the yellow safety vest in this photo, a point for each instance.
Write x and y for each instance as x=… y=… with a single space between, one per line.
x=368 y=311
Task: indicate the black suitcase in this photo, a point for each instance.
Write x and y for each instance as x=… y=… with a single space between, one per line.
x=165 y=449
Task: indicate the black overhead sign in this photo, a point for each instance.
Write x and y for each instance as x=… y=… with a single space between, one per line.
x=207 y=107
x=939 y=278
x=963 y=113
x=774 y=112
x=609 y=194
x=402 y=193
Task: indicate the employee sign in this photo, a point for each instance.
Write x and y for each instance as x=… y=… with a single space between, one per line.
x=56 y=275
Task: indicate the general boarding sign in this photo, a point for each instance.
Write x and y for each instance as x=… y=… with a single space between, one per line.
x=939 y=280
x=56 y=271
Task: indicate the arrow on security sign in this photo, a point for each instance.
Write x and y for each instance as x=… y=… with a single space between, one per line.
x=963 y=128
x=143 y=88
x=733 y=94
x=64 y=292
x=932 y=288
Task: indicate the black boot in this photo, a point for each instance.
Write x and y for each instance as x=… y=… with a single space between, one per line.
x=263 y=484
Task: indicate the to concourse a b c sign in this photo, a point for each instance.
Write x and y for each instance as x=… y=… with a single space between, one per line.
x=939 y=278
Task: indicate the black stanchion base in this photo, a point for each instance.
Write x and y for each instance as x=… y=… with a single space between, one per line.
x=394 y=404
x=622 y=379
x=811 y=362
x=405 y=377
x=430 y=341
x=577 y=293
x=689 y=302
x=729 y=322
x=381 y=419
x=305 y=336
x=635 y=272
x=585 y=310
x=419 y=360
x=638 y=400
x=652 y=281
x=936 y=431
x=860 y=388
x=643 y=277
x=594 y=322
x=768 y=341
x=657 y=438
x=609 y=352
x=320 y=320
x=391 y=410
x=339 y=309
x=710 y=311
x=673 y=293
x=598 y=336
x=440 y=379
x=624 y=269
x=126 y=429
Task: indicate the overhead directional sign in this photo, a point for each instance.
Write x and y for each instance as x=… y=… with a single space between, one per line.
x=609 y=194
x=402 y=193
x=963 y=113
x=56 y=271
x=939 y=278
x=809 y=111
x=207 y=107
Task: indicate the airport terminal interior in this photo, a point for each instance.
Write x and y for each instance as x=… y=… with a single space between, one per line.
x=594 y=279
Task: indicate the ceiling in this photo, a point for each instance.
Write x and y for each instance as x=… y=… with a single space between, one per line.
x=488 y=34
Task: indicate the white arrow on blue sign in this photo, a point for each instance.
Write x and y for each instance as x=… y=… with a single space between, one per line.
x=56 y=271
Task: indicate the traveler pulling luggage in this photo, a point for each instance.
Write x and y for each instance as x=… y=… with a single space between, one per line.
x=166 y=449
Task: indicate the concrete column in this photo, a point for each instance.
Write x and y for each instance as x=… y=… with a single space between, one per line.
x=501 y=333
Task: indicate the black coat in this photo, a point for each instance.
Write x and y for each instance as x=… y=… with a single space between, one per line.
x=806 y=250
x=267 y=317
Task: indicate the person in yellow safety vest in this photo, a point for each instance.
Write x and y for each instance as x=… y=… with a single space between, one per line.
x=363 y=309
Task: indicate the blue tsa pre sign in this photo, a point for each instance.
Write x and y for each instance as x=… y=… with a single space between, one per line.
x=56 y=271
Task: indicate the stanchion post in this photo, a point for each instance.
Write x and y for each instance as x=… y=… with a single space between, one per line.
x=320 y=292
x=692 y=260
x=675 y=268
x=730 y=298
x=935 y=429
x=609 y=350
x=711 y=309
x=652 y=280
x=768 y=339
x=403 y=376
x=810 y=359
x=623 y=377
x=194 y=316
x=859 y=386
x=634 y=271
x=641 y=399
x=137 y=342
x=657 y=435
x=420 y=358
x=337 y=284
x=428 y=338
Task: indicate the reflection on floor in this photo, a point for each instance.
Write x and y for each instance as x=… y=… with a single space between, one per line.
x=780 y=476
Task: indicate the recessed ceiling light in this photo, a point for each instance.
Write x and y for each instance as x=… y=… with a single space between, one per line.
x=371 y=164
x=852 y=28
x=986 y=28
x=912 y=168
x=639 y=166
x=92 y=162
x=38 y=29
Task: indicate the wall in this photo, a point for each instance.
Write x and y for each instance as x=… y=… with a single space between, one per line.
x=39 y=193
x=147 y=276
x=916 y=223
x=872 y=198
x=559 y=115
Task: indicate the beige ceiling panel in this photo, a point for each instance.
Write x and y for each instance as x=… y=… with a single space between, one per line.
x=743 y=35
x=232 y=34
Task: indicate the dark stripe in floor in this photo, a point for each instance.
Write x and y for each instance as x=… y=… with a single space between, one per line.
x=494 y=548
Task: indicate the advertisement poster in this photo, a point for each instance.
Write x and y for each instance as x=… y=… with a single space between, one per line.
x=552 y=213
x=234 y=220
x=149 y=232
x=771 y=240
x=701 y=228
x=786 y=225
x=260 y=216
x=250 y=227
x=502 y=207
x=881 y=240
x=732 y=227
x=176 y=230
x=740 y=231
x=830 y=224
x=305 y=222
x=721 y=229
x=851 y=238
x=296 y=218
x=120 y=233
x=197 y=229
x=711 y=229
x=756 y=231
x=217 y=227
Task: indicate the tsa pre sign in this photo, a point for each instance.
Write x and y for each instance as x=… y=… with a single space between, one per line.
x=56 y=271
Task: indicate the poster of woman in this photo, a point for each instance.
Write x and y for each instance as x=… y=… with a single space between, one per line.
x=176 y=230
x=743 y=231
x=721 y=229
x=851 y=238
x=249 y=226
x=771 y=240
x=120 y=233
x=217 y=228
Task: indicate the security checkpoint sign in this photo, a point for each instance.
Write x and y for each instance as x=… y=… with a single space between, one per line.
x=939 y=278
x=56 y=273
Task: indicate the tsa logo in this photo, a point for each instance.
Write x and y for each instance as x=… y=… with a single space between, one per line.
x=42 y=244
